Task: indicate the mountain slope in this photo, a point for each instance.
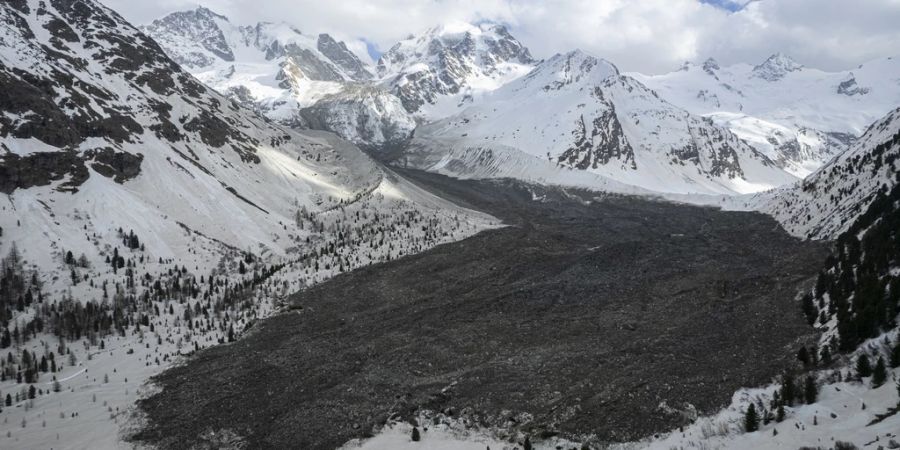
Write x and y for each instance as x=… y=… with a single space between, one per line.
x=447 y=67
x=280 y=72
x=577 y=112
x=827 y=202
x=800 y=117
x=101 y=131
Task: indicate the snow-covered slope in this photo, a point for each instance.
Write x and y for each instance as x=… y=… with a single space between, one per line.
x=578 y=112
x=200 y=38
x=800 y=117
x=145 y=217
x=279 y=71
x=828 y=201
x=101 y=131
x=444 y=69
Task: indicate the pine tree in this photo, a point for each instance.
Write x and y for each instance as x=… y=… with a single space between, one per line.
x=415 y=434
x=779 y=414
x=879 y=375
x=803 y=356
x=787 y=390
x=826 y=356
x=809 y=309
x=527 y=444
x=810 y=390
x=895 y=354
x=751 y=419
x=863 y=367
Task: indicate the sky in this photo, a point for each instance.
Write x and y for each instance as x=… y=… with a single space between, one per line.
x=648 y=36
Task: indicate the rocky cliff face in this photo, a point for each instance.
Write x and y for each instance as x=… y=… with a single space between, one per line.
x=444 y=64
x=293 y=79
x=798 y=116
x=578 y=112
x=826 y=203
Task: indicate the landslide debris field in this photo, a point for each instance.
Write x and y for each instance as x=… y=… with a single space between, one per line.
x=586 y=313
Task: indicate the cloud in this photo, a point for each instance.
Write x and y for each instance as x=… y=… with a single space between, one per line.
x=650 y=36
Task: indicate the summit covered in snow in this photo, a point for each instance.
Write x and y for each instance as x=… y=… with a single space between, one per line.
x=799 y=116
x=447 y=67
x=294 y=79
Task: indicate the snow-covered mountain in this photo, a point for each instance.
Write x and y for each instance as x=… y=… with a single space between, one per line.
x=145 y=216
x=279 y=71
x=444 y=69
x=799 y=116
x=578 y=112
x=827 y=202
x=101 y=131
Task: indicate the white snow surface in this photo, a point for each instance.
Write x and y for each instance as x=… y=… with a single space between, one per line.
x=780 y=102
x=827 y=202
x=612 y=126
x=451 y=66
x=279 y=71
x=197 y=206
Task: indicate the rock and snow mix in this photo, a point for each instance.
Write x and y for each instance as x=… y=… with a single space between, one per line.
x=147 y=217
x=828 y=202
x=576 y=112
x=287 y=76
x=801 y=117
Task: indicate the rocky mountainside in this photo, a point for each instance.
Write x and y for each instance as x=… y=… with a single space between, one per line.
x=145 y=217
x=799 y=116
x=827 y=202
x=101 y=131
x=577 y=112
x=200 y=38
x=291 y=78
x=447 y=67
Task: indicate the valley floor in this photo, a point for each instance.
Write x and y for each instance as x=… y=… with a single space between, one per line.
x=600 y=319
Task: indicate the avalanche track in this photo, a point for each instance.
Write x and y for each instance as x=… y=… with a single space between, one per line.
x=615 y=317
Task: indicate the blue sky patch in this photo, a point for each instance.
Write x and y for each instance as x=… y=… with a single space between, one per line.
x=728 y=5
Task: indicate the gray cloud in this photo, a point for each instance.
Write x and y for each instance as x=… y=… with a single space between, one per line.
x=650 y=36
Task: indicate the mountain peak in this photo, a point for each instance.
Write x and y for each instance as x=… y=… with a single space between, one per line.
x=710 y=64
x=339 y=54
x=206 y=12
x=572 y=67
x=444 y=59
x=776 y=67
x=198 y=27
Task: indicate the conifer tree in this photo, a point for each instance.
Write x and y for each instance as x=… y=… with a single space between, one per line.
x=751 y=419
x=810 y=390
x=803 y=356
x=826 y=356
x=788 y=392
x=863 y=367
x=415 y=434
x=879 y=375
x=895 y=354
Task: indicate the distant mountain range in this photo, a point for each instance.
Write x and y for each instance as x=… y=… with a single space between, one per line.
x=458 y=96
x=798 y=116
